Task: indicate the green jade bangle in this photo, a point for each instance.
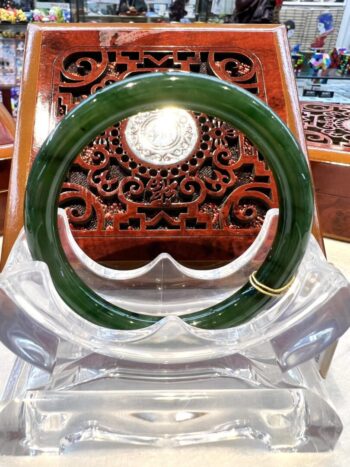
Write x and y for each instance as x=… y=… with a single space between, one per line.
x=144 y=93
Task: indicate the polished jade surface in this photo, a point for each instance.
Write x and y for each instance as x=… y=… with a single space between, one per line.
x=194 y=92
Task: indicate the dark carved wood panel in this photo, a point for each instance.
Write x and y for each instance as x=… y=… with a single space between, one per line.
x=223 y=185
x=327 y=125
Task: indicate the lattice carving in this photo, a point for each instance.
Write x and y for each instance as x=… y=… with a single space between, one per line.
x=327 y=125
x=223 y=185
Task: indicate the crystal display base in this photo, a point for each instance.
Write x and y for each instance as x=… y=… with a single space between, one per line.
x=77 y=385
x=234 y=400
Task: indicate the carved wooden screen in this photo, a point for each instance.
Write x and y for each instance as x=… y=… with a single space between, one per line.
x=209 y=206
x=327 y=126
x=223 y=187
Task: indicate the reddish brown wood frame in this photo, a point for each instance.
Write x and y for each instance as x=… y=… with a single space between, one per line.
x=224 y=213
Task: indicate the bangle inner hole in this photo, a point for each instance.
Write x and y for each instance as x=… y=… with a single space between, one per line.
x=168 y=181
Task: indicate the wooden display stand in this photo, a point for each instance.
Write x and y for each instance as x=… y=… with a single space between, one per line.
x=327 y=131
x=207 y=209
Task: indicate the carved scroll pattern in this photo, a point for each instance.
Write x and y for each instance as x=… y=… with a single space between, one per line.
x=223 y=185
x=327 y=125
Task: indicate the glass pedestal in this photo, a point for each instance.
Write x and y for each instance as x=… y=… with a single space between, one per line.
x=233 y=399
x=76 y=385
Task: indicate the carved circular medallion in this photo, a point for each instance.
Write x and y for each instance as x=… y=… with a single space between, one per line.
x=346 y=124
x=162 y=137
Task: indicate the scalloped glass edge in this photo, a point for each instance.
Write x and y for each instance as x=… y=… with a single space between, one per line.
x=297 y=327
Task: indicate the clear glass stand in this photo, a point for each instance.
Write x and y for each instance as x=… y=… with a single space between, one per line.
x=231 y=399
x=75 y=385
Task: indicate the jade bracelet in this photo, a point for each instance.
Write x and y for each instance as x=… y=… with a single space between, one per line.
x=194 y=92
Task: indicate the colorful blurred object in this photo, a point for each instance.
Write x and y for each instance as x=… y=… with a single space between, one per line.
x=55 y=15
x=320 y=61
x=12 y=15
x=344 y=67
x=324 y=27
x=335 y=58
x=290 y=26
x=298 y=58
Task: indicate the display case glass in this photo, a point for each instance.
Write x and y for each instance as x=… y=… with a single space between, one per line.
x=133 y=10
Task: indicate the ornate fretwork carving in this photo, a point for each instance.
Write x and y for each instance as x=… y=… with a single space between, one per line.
x=327 y=125
x=222 y=185
x=86 y=71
